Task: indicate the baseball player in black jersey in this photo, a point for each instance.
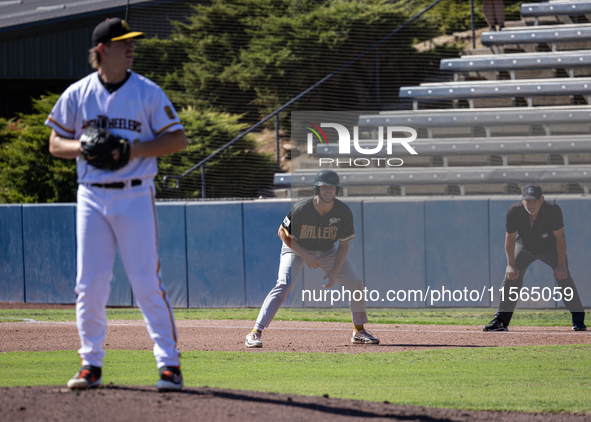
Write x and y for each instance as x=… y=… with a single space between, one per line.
x=540 y=235
x=309 y=233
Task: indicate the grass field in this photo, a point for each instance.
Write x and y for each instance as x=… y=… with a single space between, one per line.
x=529 y=378
x=462 y=316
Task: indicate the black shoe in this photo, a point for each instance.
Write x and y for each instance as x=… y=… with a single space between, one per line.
x=171 y=379
x=579 y=326
x=495 y=325
x=87 y=377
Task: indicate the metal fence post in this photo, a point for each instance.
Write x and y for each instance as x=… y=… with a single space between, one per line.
x=378 y=78
x=203 y=181
x=472 y=23
x=277 y=140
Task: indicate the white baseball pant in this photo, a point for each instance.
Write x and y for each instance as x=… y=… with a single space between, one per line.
x=126 y=217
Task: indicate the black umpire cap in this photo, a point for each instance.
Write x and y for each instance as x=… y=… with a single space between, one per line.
x=113 y=29
x=532 y=191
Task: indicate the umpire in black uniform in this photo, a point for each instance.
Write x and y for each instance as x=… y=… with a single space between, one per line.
x=540 y=235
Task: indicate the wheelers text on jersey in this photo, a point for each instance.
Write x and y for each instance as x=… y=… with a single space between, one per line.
x=313 y=232
x=114 y=123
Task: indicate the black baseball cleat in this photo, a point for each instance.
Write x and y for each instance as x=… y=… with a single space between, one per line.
x=495 y=325
x=87 y=377
x=171 y=379
x=579 y=326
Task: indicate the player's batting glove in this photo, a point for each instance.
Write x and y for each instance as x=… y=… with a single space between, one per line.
x=98 y=145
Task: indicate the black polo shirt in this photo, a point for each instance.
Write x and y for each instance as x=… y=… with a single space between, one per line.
x=538 y=238
x=317 y=232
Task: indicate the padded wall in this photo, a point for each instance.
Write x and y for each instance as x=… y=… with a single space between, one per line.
x=172 y=249
x=49 y=239
x=394 y=239
x=576 y=213
x=12 y=274
x=262 y=247
x=215 y=255
x=226 y=254
x=456 y=233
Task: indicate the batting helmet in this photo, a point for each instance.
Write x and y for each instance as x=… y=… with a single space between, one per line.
x=326 y=178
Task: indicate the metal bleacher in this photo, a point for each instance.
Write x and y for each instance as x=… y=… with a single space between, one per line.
x=539 y=35
x=497 y=133
x=555 y=8
x=451 y=176
x=518 y=61
x=501 y=146
x=526 y=88
x=545 y=116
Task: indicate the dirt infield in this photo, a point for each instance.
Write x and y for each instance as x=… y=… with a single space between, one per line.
x=283 y=336
x=119 y=403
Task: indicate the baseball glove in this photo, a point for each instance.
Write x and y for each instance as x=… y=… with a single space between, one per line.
x=98 y=145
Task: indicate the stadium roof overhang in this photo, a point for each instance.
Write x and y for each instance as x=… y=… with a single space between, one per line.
x=20 y=14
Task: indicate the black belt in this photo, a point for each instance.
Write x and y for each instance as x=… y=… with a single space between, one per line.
x=116 y=185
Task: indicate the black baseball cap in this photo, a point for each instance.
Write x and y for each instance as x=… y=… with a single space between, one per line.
x=113 y=29
x=327 y=178
x=532 y=191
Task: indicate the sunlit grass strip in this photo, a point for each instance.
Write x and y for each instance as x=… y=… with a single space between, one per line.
x=531 y=379
x=447 y=316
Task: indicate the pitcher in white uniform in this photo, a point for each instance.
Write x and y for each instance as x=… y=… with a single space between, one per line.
x=116 y=208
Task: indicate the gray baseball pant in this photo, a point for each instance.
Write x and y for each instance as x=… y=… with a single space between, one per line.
x=523 y=259
x=290 y=268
